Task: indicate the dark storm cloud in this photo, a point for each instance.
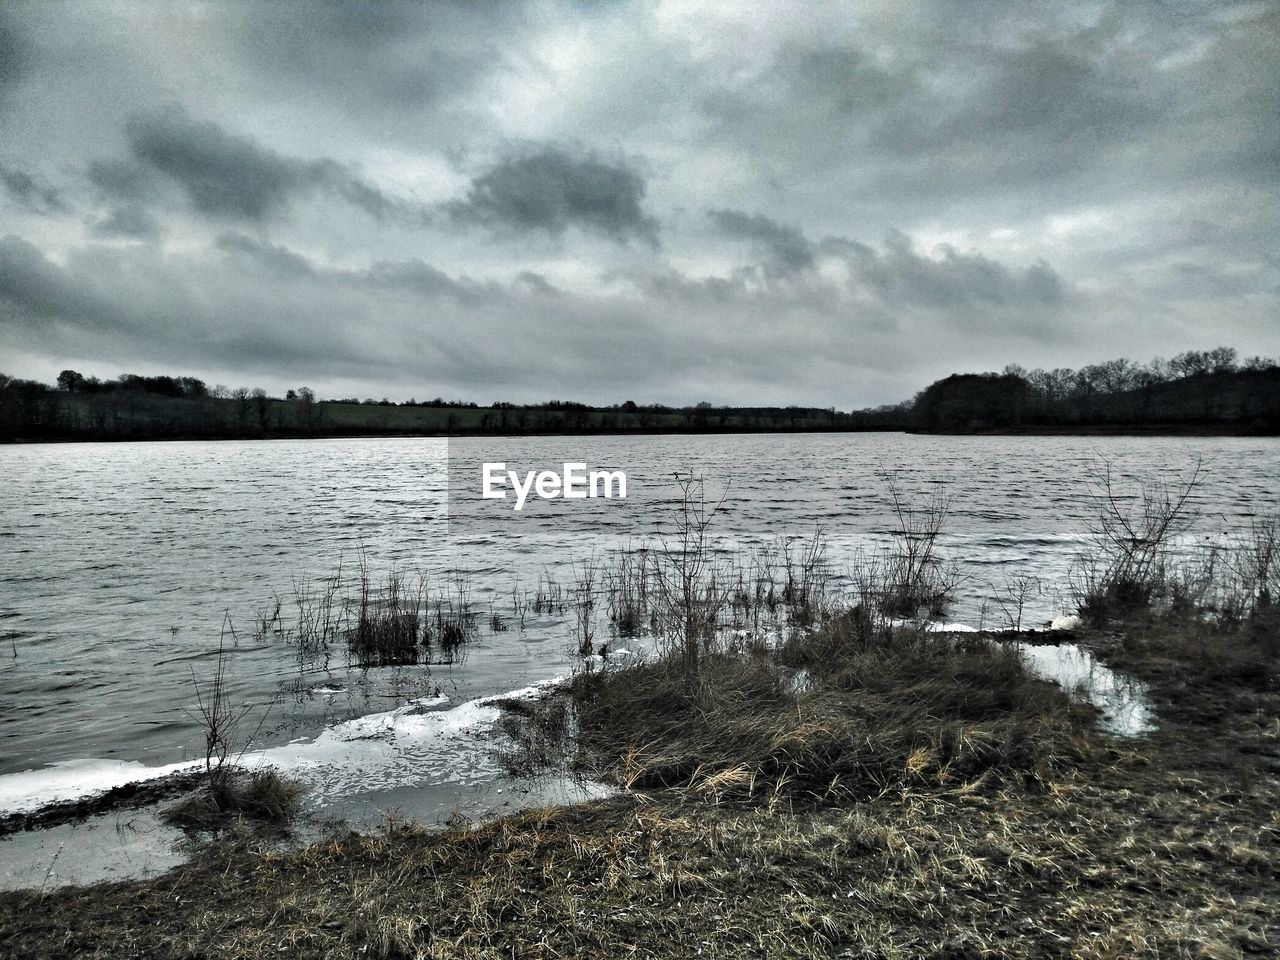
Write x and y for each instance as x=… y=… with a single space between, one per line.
x=37 y=290
x=409 y=319
x=134 y=305
x=896 y=277
x=1043 y=95
x=130 y=221
x=413 y=276
x=552 y=190
x=138 y=305
x=785 y=248
x=951 y=279
x=275 y=258
x=222 y=174
x=874 y=291
x=537 y=283
x=29 y=192
x=233 y=177
x=1255 y=94
x=129 y=189
x=1045 y=88
x=27 y=279
x=1012 y=103
x=822 y=92
x=1031 y=117
x=417 y=277
x=385 y=56
x=123 y=179
x=13 y=52
x=846 y=78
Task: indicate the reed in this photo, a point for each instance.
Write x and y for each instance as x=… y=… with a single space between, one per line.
x=388 y=621
x=914 y=579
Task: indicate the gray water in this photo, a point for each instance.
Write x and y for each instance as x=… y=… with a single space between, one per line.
x=121 y=563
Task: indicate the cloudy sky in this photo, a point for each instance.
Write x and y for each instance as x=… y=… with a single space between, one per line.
x=808 y=202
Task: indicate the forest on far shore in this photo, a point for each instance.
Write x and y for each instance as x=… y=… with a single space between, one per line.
x=1197 y=391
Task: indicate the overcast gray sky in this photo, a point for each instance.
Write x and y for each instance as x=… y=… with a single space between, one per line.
x=807 y=202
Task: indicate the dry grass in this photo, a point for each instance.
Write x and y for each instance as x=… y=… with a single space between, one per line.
x=849 y=710
x=262 y=797
x=1182 y=866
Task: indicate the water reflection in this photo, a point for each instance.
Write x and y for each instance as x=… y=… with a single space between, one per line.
x=1123 y=701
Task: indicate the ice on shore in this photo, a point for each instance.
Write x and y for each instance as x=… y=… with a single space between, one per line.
x=1123 y=703
x=419 y=742
x=71 y=779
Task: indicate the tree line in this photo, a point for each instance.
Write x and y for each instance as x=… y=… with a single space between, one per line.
x=132 y=407
x=1208 y=389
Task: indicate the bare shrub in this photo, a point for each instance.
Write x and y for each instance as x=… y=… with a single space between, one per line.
x=1017 y=591
x=627 y=584
x=318 y=614
x=584 y=605
x=217 y=717
x=1130 y=542
x=908 y=579
x=691 y=591
x=230 y=792
x=1257 y=563
x=805 y=577
x=915 y=580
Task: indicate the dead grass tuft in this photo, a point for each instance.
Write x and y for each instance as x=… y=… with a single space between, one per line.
x=261 y=797
x=876 y=710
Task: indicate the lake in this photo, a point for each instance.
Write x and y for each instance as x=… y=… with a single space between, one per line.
x=123 y=564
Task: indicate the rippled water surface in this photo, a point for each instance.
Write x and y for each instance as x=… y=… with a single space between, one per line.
x=120 y=563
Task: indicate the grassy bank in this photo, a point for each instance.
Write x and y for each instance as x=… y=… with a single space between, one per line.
x=1055 y=841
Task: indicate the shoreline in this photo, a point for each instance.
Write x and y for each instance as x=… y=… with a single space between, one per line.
x=1046 y=430
x=803 y=768
x=1143 y=846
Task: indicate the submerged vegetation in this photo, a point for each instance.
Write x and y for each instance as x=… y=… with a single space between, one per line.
x=398 y=620
x=404 y=622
